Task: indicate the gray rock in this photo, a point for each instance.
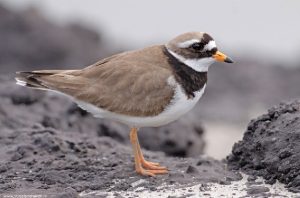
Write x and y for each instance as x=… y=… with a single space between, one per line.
x=257 y=190
x=270 y=147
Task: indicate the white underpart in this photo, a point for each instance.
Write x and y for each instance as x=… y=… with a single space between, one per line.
x=179 y=106
x=188 y=43
x=209 y=46
x=199 y=65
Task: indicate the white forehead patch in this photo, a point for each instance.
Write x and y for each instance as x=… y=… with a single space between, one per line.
x=210 y=45
x=187 y=43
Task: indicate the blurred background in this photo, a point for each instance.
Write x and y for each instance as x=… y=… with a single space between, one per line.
x=263 y=37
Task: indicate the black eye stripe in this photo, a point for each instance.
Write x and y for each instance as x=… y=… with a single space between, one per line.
x=197 y=46
x=200 y=45
x=213 y=50
x=210 y=52
x=203 y=54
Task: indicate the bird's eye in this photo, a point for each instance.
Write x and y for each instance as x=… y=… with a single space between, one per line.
x=209 y=53
x=197 y=46
x=212 y=51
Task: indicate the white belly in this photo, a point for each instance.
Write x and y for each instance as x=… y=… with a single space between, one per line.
x=179 y=106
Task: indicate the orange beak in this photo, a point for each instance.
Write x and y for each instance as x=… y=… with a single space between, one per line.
x=219 y=56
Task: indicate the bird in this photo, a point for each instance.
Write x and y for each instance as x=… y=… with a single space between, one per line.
x=148 y=87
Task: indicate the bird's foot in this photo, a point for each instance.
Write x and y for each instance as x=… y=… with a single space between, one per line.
x=150 y=168
x=151 y=172
x=142 y=166
x=152 y=165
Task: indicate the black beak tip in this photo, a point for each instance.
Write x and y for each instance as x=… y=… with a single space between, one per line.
x=228 y=60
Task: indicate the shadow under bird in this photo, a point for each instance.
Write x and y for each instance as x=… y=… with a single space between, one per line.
x=144 y=88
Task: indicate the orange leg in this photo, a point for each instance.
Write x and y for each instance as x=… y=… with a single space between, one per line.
x=142 y=166
x=146 y=164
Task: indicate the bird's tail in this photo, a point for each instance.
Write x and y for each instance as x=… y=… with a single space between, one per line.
x=32 y=79
x=66 y=81
x=41 y=79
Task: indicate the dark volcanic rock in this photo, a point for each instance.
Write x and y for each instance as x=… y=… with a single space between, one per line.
x=181 y=138
x=257 y=190
x=271 y=146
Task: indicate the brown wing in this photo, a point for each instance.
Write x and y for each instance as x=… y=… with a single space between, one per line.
x=132 y=83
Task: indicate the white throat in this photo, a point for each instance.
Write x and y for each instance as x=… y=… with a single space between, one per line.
x=199 y=65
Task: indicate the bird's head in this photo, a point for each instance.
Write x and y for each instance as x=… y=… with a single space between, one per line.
x=197 y=50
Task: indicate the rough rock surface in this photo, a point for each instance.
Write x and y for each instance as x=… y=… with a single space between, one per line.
x=183 y=138
x=47 y=144
x=271 y=146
